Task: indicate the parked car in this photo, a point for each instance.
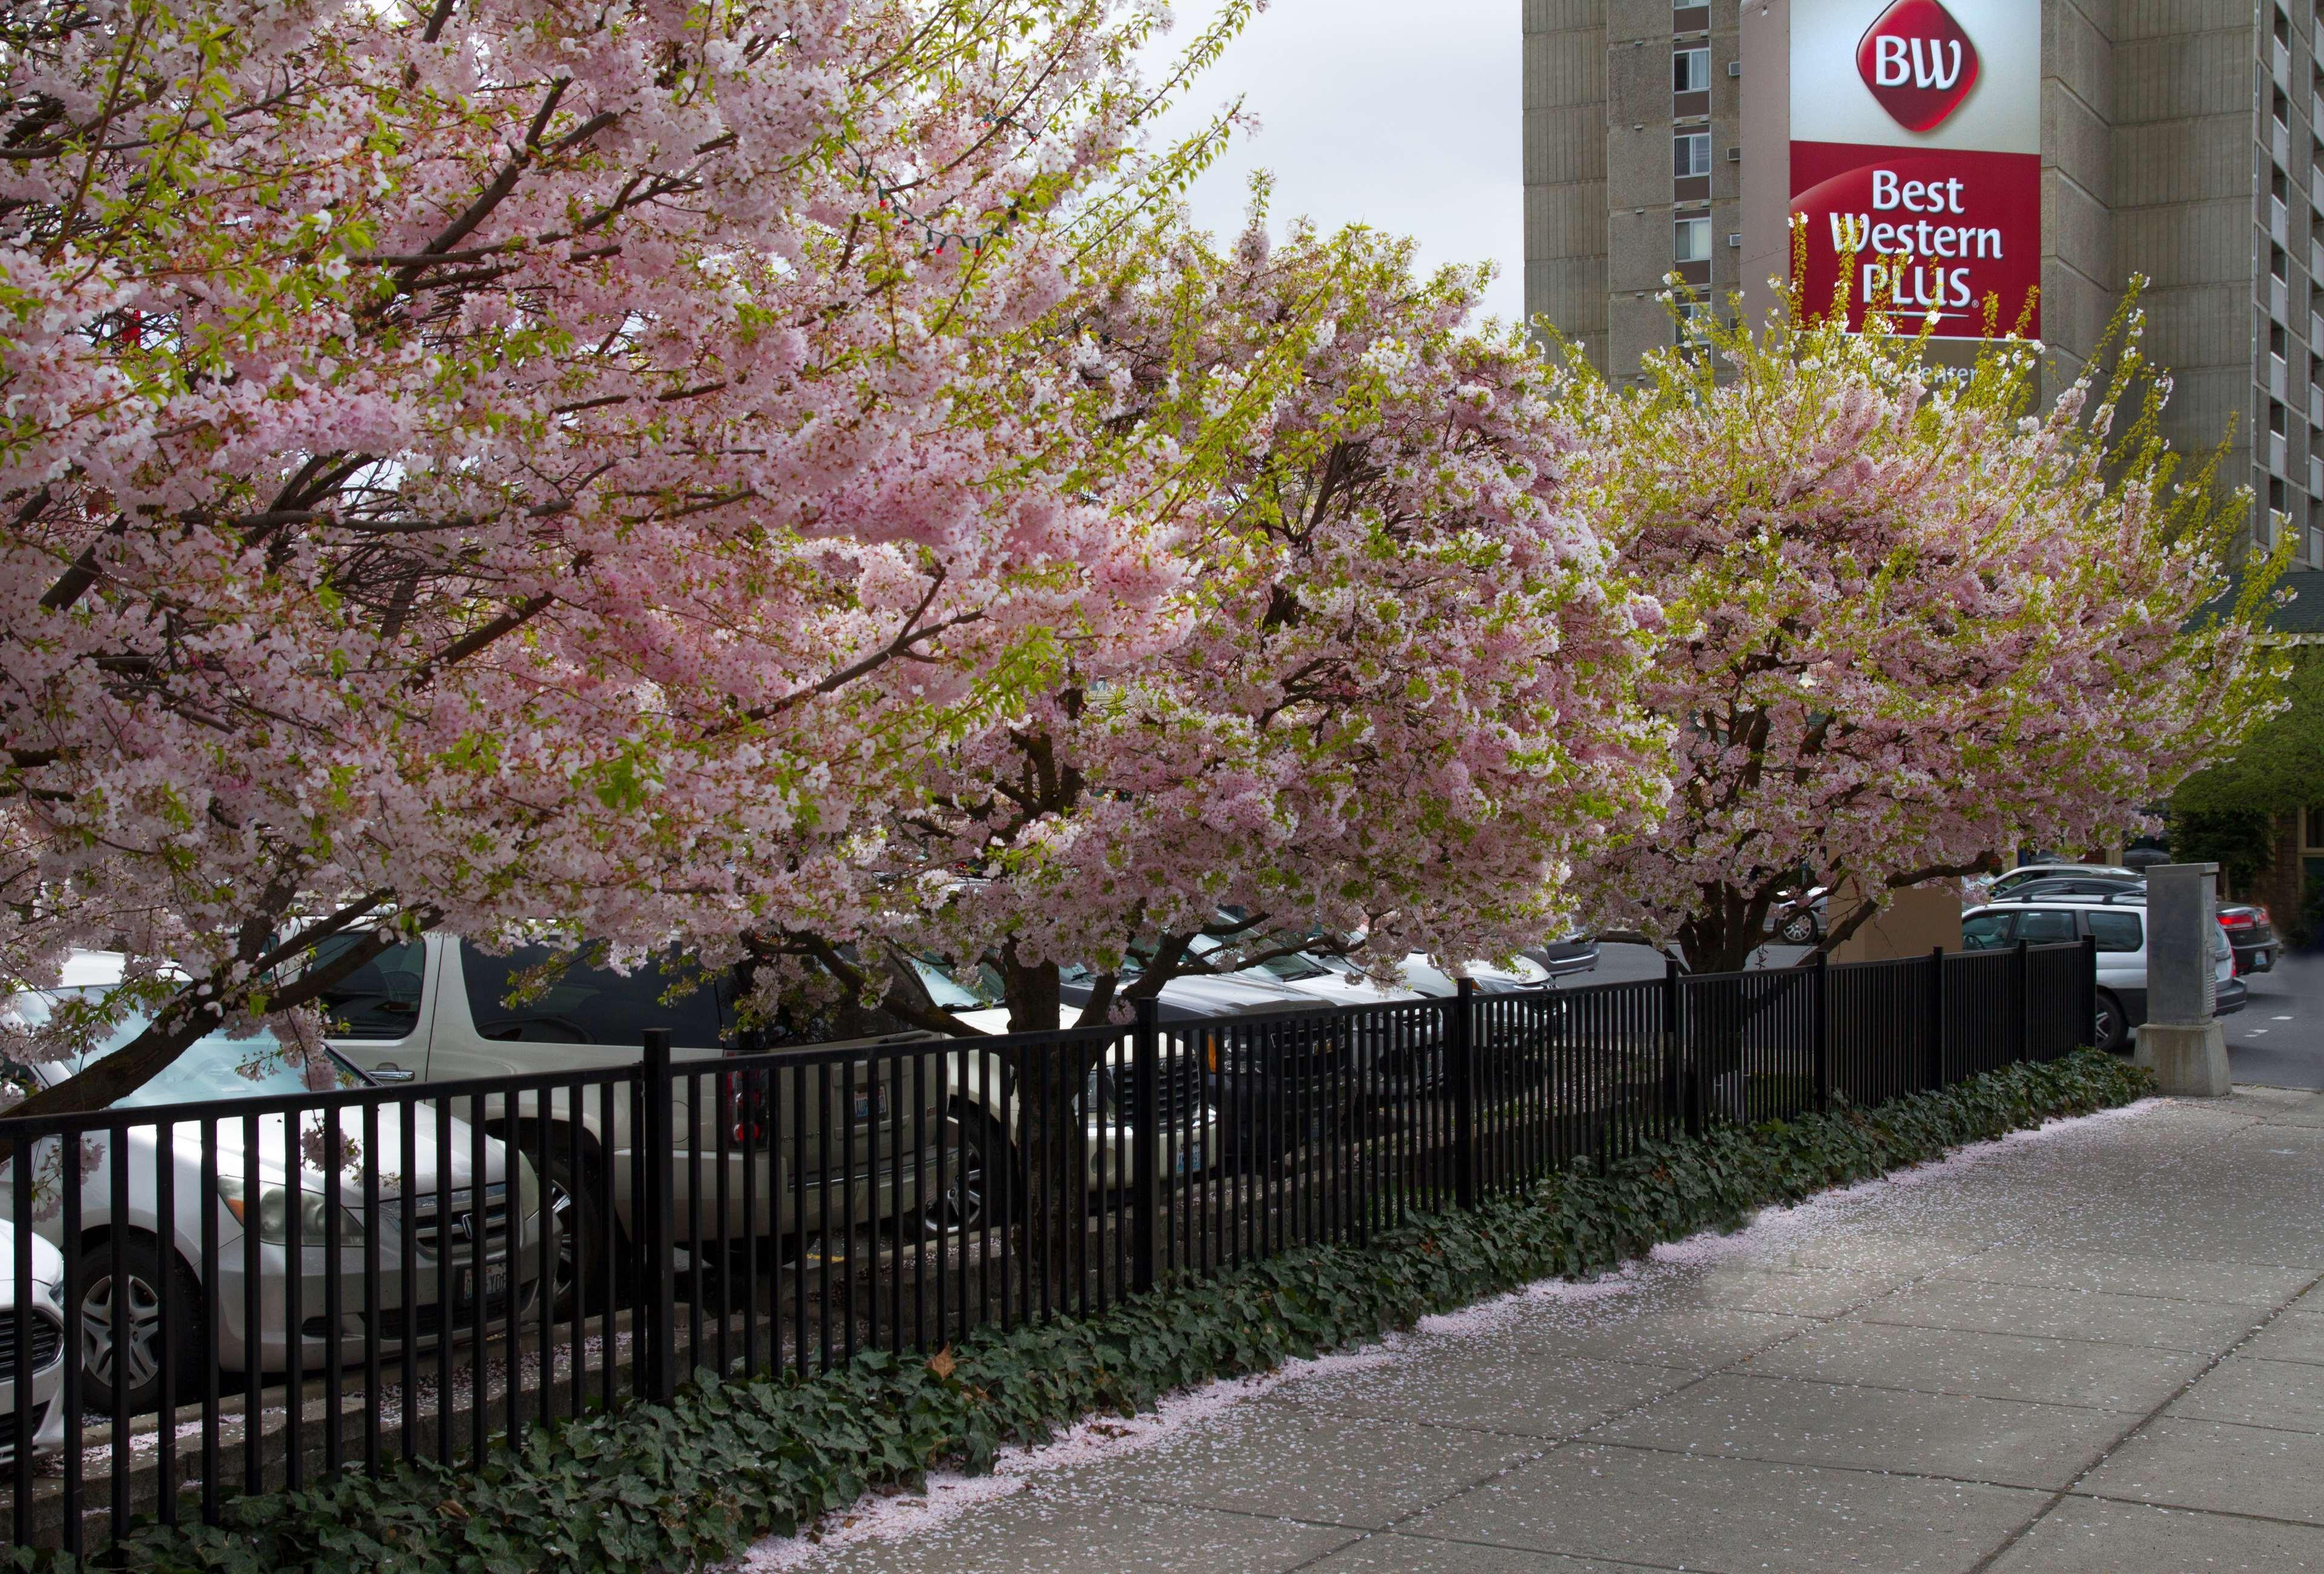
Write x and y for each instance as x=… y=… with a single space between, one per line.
x=2119 y=928
x=1276 y=1070
x=1323 y=980
x=2249 y=929
x=1424 y=975
x=1799 y=918
x=126 y=1249
x=1324 y=974
x=2093 y=885
x=989 y=1122
x=1563 y=959
x=45 y=1357
x=2252 y=932
x=443 y=1009
x=2000 y=886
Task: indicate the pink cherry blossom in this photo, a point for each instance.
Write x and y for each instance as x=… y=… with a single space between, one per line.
x=1912 y=623
x=1388 y=686
x=487 y=461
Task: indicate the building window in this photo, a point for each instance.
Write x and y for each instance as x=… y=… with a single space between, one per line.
x=1693 y=240
x=1690 y=71
x=2278 y=343
x=2276 y=422
x=1694 y=320
x=2312 y=839
x=2277 y=263
x=2283 y=108
x=1690 y=154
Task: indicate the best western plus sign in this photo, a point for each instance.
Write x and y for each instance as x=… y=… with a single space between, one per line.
x=1916 y=160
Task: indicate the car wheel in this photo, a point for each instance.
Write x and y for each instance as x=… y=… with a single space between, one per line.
x=981 y=1177
x=1799 y=929
x=2108 y=1031
x=584 y=1238
x=121 y=1330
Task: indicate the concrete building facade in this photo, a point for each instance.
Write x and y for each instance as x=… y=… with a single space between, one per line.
x=2181 y=139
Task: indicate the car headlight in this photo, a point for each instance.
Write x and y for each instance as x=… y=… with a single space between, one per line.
x=272 y=1221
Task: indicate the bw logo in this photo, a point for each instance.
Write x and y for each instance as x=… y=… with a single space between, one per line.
x=1918 y=62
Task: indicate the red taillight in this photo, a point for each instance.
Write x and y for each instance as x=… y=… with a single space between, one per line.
x=743 y=1099
x=2238 y=919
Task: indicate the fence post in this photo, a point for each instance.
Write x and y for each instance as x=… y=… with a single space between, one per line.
x=1465 y=1094
x=1933 y=1070
x=2022 y=987
x=1146 y=1144
x=1690 y=1093
x=659 y=1289
x=1822 y=1031
x=2089 y=989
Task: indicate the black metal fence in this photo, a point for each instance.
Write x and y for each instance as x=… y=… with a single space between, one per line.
x=271 y=1288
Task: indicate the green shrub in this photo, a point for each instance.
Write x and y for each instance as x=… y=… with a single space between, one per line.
x=2241 y=841
x=645 y=1487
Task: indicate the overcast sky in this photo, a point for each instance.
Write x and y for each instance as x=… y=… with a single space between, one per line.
x=1401 y=116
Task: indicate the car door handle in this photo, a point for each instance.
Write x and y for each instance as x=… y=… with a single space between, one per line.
x=392 y=1073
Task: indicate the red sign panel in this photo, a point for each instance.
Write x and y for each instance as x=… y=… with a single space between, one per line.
x=1918 y=62
x=1919 y=230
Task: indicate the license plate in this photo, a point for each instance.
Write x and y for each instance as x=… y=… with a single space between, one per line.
x=496 y=1284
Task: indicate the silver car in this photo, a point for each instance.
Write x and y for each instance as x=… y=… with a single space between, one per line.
x=46 y=1358
x=491 y=1241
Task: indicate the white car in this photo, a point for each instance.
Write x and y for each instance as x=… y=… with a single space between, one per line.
x=1340 y=980
x=46 y=1294
x=1328 y=981
x=2000 y=886
x=443 y=1009
x=1189 y=1126
x=2119 y=927
x=126 y=1249
x=1522 y=977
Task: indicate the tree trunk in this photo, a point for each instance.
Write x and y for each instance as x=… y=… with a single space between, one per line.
x=1047 y=1084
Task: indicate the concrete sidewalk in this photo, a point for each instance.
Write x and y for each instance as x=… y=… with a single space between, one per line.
x=2099 y=1347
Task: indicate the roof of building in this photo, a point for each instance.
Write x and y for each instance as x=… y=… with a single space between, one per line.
x=2299 y=611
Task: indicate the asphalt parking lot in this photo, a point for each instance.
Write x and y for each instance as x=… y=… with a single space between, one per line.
x=2277 y=1040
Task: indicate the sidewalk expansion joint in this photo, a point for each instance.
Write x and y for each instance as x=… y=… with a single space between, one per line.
x=1594 y=1558
x=1984 y=1563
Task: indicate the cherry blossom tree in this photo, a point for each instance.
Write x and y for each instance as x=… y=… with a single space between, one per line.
x=1913 y=619
x=1394 y=692
x=475 y=461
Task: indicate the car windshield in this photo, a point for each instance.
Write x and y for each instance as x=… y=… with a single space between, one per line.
x=215 y=1066
x=945 y=992
x=1291 y=967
